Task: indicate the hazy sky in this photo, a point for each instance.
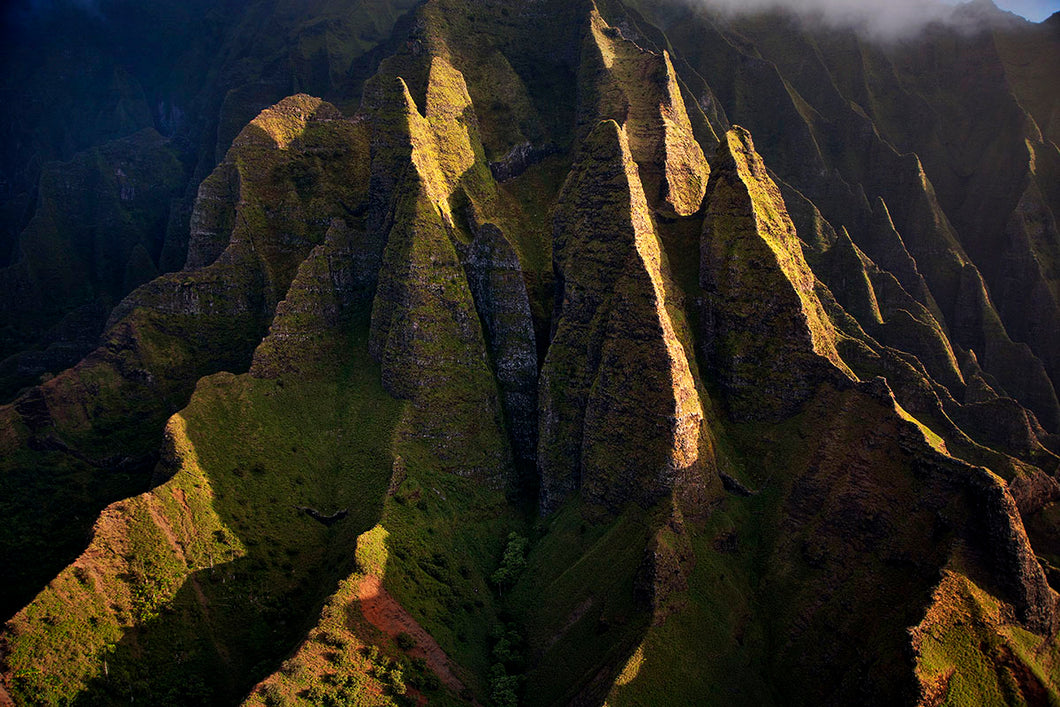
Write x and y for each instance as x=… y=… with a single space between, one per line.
x=1035 y=10
x=886 y=18
x=882 y=18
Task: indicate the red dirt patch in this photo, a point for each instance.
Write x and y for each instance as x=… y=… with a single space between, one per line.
x=386 y=614
x=182 y=499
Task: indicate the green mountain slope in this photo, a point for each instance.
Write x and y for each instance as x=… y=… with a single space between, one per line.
x=601 y=353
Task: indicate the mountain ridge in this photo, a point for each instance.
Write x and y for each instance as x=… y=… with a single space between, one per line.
x=690 y=373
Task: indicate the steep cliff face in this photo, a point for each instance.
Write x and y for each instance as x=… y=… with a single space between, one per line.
x=496 y=280
x=426 y=331
x=764 y=327
x=858 y=130
x=615 y=356
x=886 y=310
x=638 y=88
x=544 y=379
x=104 y=415
x=97 y=234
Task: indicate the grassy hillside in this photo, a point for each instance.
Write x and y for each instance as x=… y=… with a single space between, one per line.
x=534 y=379
x=213 y=573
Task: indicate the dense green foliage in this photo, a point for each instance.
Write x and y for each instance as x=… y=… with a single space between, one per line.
x=525 y=376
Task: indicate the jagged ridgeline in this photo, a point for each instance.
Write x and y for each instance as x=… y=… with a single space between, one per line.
x=572 y=352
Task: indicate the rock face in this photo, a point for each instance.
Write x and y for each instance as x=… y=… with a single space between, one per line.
x=311 y=310
x=580 y=402
x=97 y=234
x=428 y=338
x=426 y=331
x=213 y=216
x=764 y=327
x=845 y=122
x=497 y=284
x=620 y=415
x=638 y=88
x=887 y=311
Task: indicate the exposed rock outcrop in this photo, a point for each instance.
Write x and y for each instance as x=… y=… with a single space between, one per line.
x=213 y=216
x=497 y=284
x=764 y=328
x=620 y=414
x=425 y=330
x=639 y=89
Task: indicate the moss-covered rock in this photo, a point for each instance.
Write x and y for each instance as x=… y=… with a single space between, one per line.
x=639 y=89
x=426 y=331
x=496 y=280
x=765 y=330
x=620 y=414
x=428 y=337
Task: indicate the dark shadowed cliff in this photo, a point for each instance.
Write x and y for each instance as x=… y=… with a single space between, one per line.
x=537 y=352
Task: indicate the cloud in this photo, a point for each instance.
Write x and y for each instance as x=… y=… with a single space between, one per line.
x=886 y=19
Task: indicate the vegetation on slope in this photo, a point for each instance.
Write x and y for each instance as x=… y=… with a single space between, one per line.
x=212 y=573
x=345 y=523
